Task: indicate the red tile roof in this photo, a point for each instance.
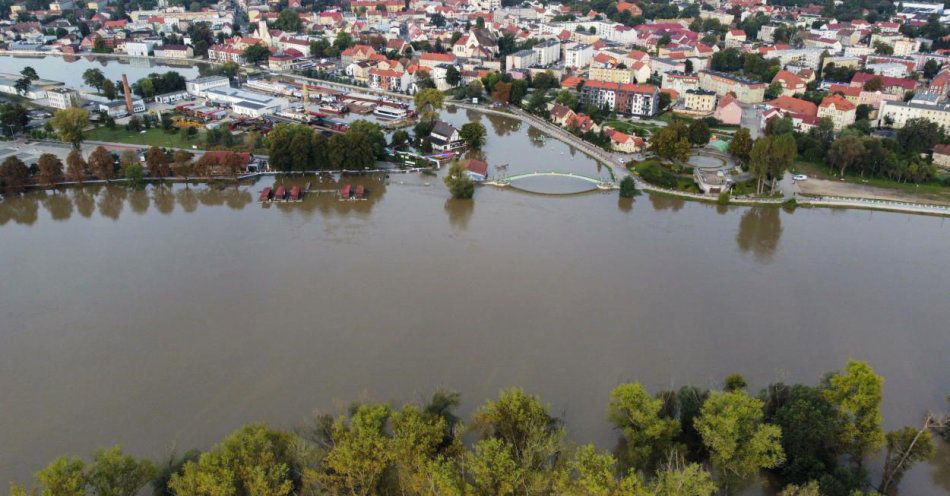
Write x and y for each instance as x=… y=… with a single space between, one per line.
x=840 y=103
x=795 y=106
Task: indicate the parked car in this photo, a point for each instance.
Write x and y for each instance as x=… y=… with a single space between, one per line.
x=799 y=177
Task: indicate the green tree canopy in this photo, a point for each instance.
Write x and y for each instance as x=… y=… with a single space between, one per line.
x=857 y=393
x=70 y=124
x=739 y=442
x=252 y=461
x=428 y=102
x=114 y=473
x=648 y=437
x=459 y=183
x=474 y=135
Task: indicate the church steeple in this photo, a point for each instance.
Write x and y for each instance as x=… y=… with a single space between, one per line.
x=263 y=32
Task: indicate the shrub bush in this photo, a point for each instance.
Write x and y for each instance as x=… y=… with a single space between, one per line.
x=654 y=173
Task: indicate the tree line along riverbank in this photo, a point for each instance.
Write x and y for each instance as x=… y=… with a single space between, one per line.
x=813 y=440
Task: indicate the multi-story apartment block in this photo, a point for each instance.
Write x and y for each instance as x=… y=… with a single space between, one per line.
x=578 y=55
x=634 y=99
x=746 y=91
x=680 y=81
x=548 y=52
x=896 y=113
x=62 y=98
x=611 y=74
x=700 y=100
x=839 y=109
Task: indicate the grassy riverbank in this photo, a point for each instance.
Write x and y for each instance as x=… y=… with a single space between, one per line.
x=931 y=191
x=149 y=137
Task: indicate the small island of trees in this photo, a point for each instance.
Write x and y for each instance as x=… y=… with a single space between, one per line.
x=812 y=440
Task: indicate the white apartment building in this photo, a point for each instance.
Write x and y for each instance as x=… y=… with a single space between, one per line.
x=200 y=86
x=898 y=113
x=548 y=52
x=62 y=98
x=141 y=48
x=890 y=69
x=521 y=60
x=578 y=55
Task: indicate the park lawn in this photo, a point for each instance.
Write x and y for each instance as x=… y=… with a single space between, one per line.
x=151 y=137
x=628 y=127
x=669 y=117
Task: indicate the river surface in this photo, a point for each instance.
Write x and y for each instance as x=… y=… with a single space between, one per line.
x=163 y=319
x=69 y=69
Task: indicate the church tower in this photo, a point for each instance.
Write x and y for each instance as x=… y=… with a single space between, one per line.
x=263 y=32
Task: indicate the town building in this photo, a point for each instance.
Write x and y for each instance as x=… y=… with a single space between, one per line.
x=142 y=48
x=243 y=102
x=445 y=137
x=62 y=98
x=172 y=97
x=700 y=100
x=174 y=52
x=791 y=83
x=477 y=170
x=941 y=156
x=201 y=85
x=634 y=99
x=612 y=74
x=839 y=110
x=728 y=110
x=680 y=82
x=548 y=52
x=896 y=113
x=626 y=143
x=746 y=91
x=578 y=55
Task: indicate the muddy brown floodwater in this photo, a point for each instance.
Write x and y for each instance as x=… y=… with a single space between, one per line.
x=163 y=319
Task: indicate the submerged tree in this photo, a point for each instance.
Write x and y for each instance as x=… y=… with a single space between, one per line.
x=114 y=473
x=473 y=133
x=428 y=102
x=254 y=460
x=739 y=442
x=75 y=166
x=905 y=447
x=648 y=437
x=857 y=394
x=459 y=183
x=14 y=174
x=49 y=169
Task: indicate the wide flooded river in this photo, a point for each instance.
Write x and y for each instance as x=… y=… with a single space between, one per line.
x=69 y=69
x=162 y=319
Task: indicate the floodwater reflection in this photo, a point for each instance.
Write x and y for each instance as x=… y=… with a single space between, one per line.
x=84 y=197
x=58 y=204
x=139 y=201
x=110 y=200
x=502 y=125
x=624 y=204
x=460 y=211
x=164 y=198
x=21 y=209
x=664 y=202
x=940 y=466
x=759 y=232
